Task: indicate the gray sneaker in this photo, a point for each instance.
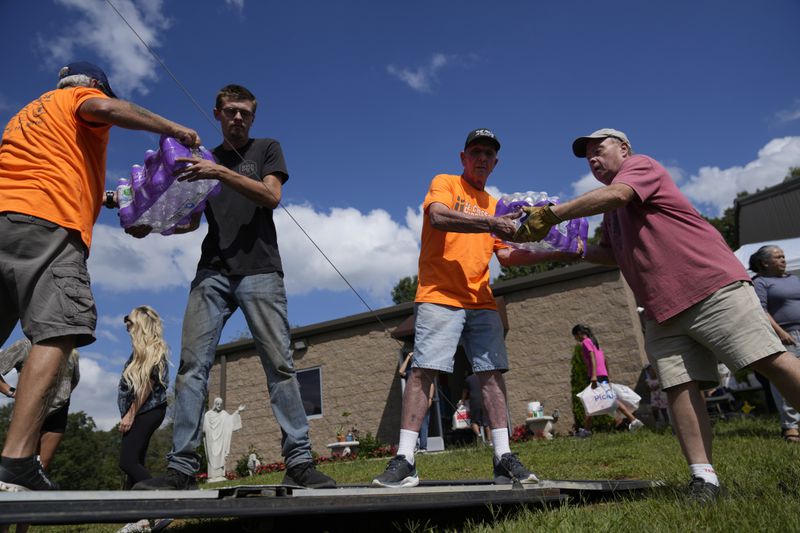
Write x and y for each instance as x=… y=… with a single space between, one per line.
x=399 y=473
x=508 y=468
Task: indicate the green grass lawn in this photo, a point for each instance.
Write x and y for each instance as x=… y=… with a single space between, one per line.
x=760 y=471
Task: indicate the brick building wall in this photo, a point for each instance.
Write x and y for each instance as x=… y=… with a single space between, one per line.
x=359 y=359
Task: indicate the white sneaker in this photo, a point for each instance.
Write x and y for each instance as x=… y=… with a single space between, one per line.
x=142 y=526
x=636 y=424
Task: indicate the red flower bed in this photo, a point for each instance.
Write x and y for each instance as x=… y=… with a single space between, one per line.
x=521 y=434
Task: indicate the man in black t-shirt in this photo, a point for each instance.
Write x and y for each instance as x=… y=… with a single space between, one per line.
x=240 y=267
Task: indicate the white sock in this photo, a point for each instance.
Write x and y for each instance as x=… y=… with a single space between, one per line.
x=705 y=472
x=500 y=441
x=408 y=441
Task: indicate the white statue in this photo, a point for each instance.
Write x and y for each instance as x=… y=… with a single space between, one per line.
x=218 y=426
x=253 y=464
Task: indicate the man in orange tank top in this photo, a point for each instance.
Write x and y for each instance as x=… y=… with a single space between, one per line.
x=52 y=176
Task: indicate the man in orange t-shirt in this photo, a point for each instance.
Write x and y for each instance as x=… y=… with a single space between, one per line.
x=52 y=176
x=454 y=304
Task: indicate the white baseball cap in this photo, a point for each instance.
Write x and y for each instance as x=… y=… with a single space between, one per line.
x=579 y=145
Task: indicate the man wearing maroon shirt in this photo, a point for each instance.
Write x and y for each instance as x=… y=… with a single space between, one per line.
x=699 y=303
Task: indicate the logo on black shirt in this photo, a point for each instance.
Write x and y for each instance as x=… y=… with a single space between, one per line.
x=248 y=168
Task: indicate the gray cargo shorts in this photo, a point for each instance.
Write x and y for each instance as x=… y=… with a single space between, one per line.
x=44 y=282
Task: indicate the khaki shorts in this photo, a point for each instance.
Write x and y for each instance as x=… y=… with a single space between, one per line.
x=44 y=283
x=729 y=326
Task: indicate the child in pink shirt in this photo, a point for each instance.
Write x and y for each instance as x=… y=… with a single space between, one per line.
x=597 y=373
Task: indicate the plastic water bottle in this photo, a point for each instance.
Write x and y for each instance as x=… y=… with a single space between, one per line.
x=562 y=237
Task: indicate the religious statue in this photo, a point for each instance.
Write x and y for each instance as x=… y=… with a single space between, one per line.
x=218 y=426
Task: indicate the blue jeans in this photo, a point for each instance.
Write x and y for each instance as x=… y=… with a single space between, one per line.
x=212 y=300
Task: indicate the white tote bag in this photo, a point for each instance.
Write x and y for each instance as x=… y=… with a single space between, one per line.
x=626 y=396
x=598 y=401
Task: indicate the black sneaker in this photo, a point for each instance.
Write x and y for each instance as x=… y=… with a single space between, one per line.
x=703 y=492
x=306 y=475
x=172 y=480
x=24 y=474
x=399 y=473
x=508 y=468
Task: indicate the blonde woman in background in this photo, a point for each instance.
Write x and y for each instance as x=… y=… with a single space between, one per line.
x=142 y=395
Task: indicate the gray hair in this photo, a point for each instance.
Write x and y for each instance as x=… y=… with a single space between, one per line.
x=761 y=255
x=76 y=80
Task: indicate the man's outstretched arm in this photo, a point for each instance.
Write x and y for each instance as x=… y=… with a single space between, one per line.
x=133 y=117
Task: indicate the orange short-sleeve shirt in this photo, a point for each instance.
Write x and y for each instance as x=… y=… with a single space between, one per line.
x=53 y=163
x=454 y=267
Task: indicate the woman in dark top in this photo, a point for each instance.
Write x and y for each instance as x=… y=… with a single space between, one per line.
x=142 y=395
x=779 y=294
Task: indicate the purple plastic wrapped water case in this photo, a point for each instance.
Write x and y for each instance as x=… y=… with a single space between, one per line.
x=563 y=237
x=154 y=197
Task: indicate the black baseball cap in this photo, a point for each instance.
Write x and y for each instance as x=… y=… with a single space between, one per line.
x=482 y=134
x=87 y=69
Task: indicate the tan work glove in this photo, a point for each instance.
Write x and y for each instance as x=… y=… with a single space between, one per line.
x=537 y=225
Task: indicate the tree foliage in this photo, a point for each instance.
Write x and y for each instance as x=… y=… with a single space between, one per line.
x=726 y=224
x=405 y=290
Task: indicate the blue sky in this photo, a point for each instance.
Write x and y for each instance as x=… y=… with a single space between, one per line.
x=371 y=99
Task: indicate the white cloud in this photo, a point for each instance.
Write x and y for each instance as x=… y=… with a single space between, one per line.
x=586 y=183
x=96 y=393
x=677 y=173
x=370 y=249
x=717 y=188
x=791 y=114
x=414 y=221
x=237 y=5
x=96 y=27
x=120 y=263
x=424 y=77
x=110 y=320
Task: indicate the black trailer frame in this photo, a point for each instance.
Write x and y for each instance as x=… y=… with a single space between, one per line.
x=254 y=501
